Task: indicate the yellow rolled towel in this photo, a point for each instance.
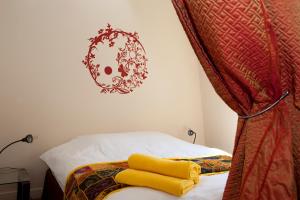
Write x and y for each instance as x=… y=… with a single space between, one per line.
x=167 y=184
x=180 y=169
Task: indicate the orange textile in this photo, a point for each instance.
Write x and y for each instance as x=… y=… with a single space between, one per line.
x=96 y=181
x=250 y=51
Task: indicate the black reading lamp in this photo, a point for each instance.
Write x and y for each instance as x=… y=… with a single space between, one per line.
x=27 y=138
x=192 y=133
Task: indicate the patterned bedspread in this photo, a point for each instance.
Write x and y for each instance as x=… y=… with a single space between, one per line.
x=96 y=181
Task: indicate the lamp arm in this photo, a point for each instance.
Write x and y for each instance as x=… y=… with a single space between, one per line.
x=9 y=145
x=195 y=138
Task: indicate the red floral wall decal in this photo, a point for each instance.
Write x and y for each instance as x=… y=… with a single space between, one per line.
x=128 y=68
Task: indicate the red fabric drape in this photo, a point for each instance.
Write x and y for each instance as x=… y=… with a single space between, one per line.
x=250 y=51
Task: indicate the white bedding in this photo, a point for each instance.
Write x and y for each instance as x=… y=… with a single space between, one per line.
x=209 y=188
x=116 y=147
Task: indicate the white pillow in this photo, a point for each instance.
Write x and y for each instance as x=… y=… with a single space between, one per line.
x=115 y=147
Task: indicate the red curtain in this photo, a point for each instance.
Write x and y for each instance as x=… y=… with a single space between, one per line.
x=250 y=51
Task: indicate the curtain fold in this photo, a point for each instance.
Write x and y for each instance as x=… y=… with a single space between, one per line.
x=250 y=51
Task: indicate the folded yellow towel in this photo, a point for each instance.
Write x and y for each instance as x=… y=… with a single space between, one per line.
x=167 y=184
x=180 y=169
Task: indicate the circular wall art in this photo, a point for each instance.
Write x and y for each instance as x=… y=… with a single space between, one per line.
x=116 y=61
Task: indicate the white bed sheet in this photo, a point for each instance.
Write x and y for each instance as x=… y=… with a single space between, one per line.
x=209 y=188
x=116 y=147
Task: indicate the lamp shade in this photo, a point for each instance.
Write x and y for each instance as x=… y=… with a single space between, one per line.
x=28 y=138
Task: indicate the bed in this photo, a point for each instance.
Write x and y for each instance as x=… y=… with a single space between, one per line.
x=112 y=147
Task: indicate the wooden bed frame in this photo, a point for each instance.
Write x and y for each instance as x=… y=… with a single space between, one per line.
x=51 y=190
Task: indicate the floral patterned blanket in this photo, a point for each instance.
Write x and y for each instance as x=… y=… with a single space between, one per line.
x=96 y=181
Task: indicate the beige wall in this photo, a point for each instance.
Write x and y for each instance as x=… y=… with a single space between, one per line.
x=218 y=119
x=47 y=91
